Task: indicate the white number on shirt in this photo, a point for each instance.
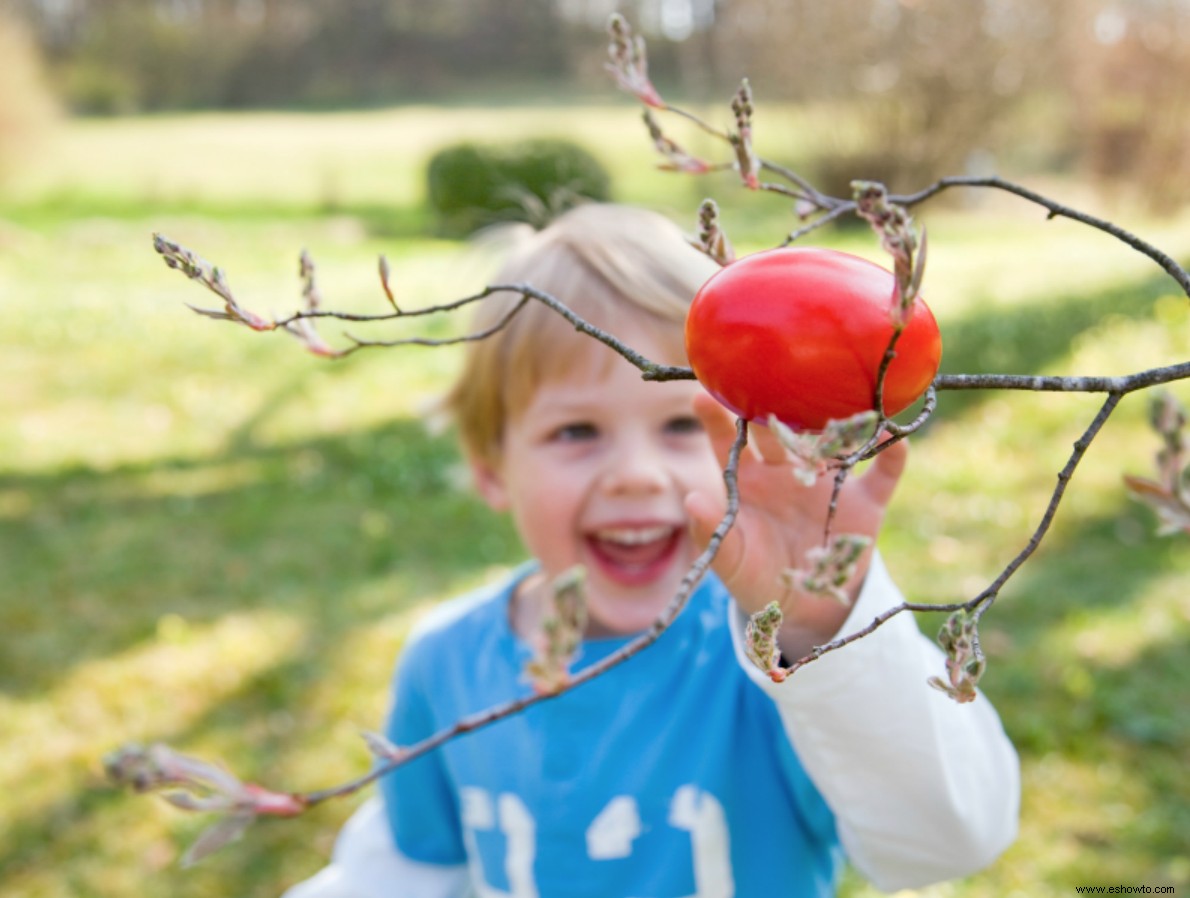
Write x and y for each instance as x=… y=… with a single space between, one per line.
x=609 y=836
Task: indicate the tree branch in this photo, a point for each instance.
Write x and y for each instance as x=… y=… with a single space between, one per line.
x=1126 y=383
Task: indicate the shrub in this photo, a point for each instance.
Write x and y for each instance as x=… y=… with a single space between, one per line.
x=471 y=185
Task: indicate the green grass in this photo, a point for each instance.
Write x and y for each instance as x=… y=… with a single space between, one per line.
x=210 y=538
x=369 y=165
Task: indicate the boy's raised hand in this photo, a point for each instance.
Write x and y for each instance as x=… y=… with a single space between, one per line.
x=780 y=519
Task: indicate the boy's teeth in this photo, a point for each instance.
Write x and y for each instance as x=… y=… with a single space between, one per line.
x=628 y=536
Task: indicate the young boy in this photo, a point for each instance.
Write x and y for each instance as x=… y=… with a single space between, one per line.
x=683 y=771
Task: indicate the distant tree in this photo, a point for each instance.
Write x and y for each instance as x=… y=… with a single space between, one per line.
x=26 y=104
x=1127 y=61
x=949 y=84
x=938 y=80
x=152 y=54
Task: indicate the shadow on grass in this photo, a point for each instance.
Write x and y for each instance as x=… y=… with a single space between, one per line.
x=1059 y=697
x=273 y=854
x=1081 y=570
x=340 y=533
x=100 y=556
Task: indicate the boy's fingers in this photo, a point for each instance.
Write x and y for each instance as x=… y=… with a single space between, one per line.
x=767 y=444
x=718 y=423
x=880 y=480
x=720 y=426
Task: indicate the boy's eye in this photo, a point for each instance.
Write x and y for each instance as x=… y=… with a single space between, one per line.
x=683 y=424
x=576 y=432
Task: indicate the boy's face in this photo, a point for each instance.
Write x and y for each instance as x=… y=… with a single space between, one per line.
x=594 y=470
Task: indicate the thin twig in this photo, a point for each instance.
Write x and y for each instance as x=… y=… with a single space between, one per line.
x=890 y=353
x=650 y=369
x=877 y=622
x=793 y=193
x=836 y=213
x=900 y=431
x=1056 y=209
x=985 y=599
x=832 y=507
x=697 y=120
x=809 y=191
x=438 y=341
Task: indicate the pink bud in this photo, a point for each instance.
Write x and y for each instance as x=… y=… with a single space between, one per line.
x=275 y=804
x=254 y=321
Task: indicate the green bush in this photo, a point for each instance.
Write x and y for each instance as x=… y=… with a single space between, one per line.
x=471 y=185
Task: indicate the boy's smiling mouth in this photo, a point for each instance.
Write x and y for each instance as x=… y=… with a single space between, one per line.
x=634 y=555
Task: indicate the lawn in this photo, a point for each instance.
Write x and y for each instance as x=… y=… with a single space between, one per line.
x=211 y=538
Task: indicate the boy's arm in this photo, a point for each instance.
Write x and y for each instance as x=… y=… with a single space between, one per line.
x=923 y=789
x=366 y=864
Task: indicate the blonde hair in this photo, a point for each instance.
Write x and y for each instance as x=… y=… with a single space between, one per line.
x=604 y=262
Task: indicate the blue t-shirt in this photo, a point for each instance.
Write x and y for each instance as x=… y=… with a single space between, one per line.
x=669 y=776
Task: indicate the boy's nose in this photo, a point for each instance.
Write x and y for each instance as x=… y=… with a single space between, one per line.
x=634 y=469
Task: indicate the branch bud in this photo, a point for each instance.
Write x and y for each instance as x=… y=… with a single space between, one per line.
x=561 y=633
x=898 y=236
x=382 y=748
x=677 y=158
x=628 y=62
x=760 y=641
x=712 y=239
x=965 y=664
x=1167 y=416
x=829 y=568
x=747 y=162
x=1169 y=494
x=382 y=266
x=810 y=454
x=304 y=328
x=196 y=268
x=197 y=785
x=311 y=298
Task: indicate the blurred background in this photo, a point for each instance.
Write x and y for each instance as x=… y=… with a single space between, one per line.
x=211 y=538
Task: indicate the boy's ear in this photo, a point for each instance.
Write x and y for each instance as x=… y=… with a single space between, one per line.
x=489 y=482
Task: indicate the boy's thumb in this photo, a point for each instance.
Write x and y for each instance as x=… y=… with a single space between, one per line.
x=706 y=513
x=882 y=477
